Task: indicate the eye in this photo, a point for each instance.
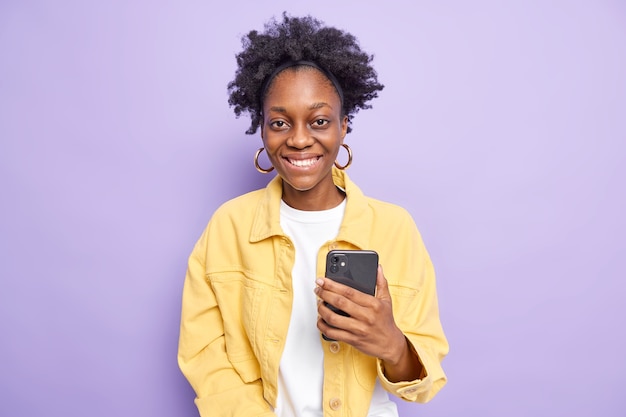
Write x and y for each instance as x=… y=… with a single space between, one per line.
x=278 y=124
x=320 y=122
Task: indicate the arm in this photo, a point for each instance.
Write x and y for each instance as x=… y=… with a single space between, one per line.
x=416 y=312
x=202 y=356
x=402 y=363
x=370 y=326
x=409 y=361
x=407 y=337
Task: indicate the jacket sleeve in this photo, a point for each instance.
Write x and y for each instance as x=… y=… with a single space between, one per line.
x=202 y=357
x=416 y=312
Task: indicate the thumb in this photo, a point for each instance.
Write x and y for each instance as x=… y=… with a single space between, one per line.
x=382 y=288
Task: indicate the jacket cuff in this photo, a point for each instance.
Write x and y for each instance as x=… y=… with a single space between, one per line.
x=418 y=390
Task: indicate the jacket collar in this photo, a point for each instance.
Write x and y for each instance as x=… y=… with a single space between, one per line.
x=355 y=226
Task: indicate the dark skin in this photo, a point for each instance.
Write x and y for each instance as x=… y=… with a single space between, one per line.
x=370 y=327
x=302 y=130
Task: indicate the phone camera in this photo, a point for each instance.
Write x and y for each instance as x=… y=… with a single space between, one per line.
x=334 y=268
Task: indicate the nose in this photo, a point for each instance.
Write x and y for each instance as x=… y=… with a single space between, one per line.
x=301 y=137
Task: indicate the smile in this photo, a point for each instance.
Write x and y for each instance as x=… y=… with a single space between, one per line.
x=303 y=162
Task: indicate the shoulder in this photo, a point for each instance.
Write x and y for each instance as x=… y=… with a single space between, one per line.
x=241 y=204
x=390 y=211
x=363 y=203
x=392 y=220
x=235 y=213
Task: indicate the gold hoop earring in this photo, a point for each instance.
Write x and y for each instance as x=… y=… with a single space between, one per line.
x=256 y=163
x=349 y=158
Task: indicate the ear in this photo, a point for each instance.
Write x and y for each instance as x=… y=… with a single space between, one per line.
x=344 y=127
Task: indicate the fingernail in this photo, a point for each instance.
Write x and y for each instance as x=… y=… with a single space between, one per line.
x=319 y=282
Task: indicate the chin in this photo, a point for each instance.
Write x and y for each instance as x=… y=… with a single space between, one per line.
x=301 y=188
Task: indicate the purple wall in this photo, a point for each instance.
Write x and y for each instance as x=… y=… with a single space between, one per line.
x=502 y=129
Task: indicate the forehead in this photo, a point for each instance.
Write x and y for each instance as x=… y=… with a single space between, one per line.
x=299 y=82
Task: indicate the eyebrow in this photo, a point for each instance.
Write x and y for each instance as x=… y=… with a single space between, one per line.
x=314 y=106
x=319 y=105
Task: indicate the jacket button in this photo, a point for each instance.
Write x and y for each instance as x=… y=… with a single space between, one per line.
x=334 y=347
x=335 y=403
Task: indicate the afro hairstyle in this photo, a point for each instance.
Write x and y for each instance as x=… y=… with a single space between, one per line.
x=297 y=39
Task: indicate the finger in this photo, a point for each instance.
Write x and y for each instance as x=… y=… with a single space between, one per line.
x=328 y=289
x=337 y=305
x=382 y=286
x=328 y=331
x=329 y=319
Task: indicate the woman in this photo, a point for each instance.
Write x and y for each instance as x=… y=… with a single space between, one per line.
x=253 y=311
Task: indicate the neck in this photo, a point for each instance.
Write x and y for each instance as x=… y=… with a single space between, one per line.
x=312 y=200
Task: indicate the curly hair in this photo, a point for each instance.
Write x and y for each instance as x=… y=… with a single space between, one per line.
x=297 y=39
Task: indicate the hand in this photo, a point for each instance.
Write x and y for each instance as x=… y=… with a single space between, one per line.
x=370 y=328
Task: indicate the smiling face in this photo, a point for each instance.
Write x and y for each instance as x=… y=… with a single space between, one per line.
x=302 y=129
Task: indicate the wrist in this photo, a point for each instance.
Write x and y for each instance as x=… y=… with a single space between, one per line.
x=399 y=351
x=404 y=364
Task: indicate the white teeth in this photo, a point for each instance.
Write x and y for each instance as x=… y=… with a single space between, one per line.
x=303 y=162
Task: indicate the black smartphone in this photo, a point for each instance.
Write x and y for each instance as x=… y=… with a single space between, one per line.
x=355 y=268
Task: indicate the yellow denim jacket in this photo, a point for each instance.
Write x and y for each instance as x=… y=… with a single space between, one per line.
x=237 y=300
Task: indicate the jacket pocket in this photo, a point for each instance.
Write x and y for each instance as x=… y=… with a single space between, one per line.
x=240 y=300
x=403 y=300
x=364 y=369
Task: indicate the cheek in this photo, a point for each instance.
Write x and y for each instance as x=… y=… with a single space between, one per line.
x=271 y=149
x=337 y=145
x=269 y=144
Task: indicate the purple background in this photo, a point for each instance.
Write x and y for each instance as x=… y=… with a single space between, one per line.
x=502 y=129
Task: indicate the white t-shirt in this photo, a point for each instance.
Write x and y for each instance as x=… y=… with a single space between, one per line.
x=301 y=373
